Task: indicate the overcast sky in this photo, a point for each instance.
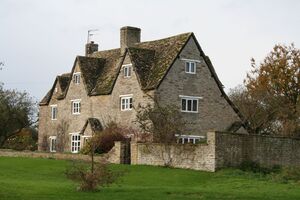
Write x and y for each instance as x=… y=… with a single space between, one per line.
x=40 y=38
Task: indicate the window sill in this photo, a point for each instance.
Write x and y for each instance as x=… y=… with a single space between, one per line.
x=189 y=111
x=126 y=110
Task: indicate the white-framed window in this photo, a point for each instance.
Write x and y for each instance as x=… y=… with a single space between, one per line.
x=189 y=103
x=190 y=67
x=55 y=90
x=76 y=106
x=75 y=142
x=193 y=139
x=127 y=70
x=52 y=143
x=76 y=77
x=53 y=112
x=126 y=102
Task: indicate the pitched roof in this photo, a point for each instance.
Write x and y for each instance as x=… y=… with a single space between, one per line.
x=151 y=59
x=63 y=81
x=95 y=125
x=158 y=56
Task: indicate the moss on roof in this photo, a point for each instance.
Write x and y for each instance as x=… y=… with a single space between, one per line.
x=100 y=70
x=91 y=69
x=166 y=50
x=105 y=81
x=63 y=81
x=95 y=124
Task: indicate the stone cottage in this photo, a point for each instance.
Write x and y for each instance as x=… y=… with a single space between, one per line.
x=110 y=84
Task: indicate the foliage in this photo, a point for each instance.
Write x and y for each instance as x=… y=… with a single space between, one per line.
x=26 y=139
x=163 y=123
x=287 y=174
x=91 y=180
x=17 y=111
x=104 y=140
x=270 y=100
x=42 y=178
x=255 y=167
x=95 y=174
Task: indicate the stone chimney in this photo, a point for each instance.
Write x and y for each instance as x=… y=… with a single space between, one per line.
x=90 y=48
x=128 y=36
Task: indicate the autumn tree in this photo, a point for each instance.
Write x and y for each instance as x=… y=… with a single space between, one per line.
x=270 y=98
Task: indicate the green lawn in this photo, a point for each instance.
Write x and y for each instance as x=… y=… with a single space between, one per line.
x=41 y=179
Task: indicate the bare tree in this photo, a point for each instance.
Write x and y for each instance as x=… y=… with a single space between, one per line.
x=62 y=129
x=164 y=123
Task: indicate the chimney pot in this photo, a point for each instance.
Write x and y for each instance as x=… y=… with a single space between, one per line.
x=90 y=48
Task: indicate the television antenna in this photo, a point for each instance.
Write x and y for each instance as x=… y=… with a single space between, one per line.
x=91 y=32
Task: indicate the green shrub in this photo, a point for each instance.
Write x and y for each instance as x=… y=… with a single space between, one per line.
x=25 y=140
x=287 y=174
x=255 y=167
x=91 y=179
x=106 y=138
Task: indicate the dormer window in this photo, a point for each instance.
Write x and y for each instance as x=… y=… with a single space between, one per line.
x=55 y=90
x=76 y=77
x=190 y=67
x=127 y=70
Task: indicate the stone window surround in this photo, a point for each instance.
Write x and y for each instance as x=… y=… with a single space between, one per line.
x=190 y=98
x=128 y=102
x=75 y=142
x=52 y=143
x=76 y=77
x=76 y=109
x=53 y=112
x=127 y=70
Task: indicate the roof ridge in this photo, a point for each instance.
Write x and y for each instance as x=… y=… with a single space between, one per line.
x=157 y=40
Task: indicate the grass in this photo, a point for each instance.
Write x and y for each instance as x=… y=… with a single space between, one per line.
x=44 y=179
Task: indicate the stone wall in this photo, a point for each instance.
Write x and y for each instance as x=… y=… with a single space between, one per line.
x=198 y=157
x=115 y=155
x=222 y=150
x=232 y=149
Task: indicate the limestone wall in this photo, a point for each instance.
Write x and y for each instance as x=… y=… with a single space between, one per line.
x=198 y=157
x=232 y=149
x=114 y=156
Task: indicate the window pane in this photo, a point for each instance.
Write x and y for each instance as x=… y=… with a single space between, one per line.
x=183 y=104
x=193 y=67
x=187 y=66
x=189 y=105
x=125 y=71
x=130 y=103
x=185 y=141
x=129 y=71
x=195 y=105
